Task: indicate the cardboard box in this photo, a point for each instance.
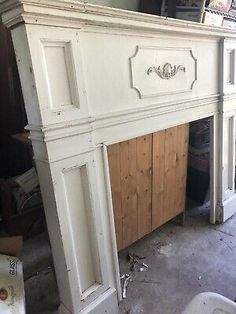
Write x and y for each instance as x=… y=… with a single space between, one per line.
x=12 y=296
x=11 y=245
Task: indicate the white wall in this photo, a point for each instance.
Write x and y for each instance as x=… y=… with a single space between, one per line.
x=121 y=4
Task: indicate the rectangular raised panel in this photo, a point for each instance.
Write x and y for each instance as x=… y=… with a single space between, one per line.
x=79 y=207
x=158 y=70
x=229 y=73
x=60 y=76
x=230 y=67
x=228 y=157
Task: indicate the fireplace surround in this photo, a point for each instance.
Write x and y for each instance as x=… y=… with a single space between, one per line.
x=93 y=76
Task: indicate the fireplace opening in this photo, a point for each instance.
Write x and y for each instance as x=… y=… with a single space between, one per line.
x=198 y=171
x=159 y=177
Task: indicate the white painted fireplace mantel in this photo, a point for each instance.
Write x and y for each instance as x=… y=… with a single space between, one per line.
x=93 y=76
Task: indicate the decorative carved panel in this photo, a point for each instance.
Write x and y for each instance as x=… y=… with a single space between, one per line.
x=157 y=70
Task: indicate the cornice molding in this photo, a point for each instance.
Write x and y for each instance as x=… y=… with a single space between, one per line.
x=71 y=13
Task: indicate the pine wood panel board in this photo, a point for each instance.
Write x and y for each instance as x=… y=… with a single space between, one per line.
x=144 y=184
x=158 y=178
x=128 y=151
x=174 y=144
x=169 y=174
x=181 y=169
x=170 y=149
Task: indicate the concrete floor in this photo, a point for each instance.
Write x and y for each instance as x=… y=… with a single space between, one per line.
x=183 y=261
x=41 y=295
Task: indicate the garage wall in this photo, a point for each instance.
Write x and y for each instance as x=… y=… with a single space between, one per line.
x=121 y=4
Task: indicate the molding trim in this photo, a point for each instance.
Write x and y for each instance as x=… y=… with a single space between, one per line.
x=126 y=116
x=228 y=96
x=67 y=129
x=72 y=13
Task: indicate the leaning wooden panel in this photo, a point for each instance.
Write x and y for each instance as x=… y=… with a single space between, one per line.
x=158 y=179
x=181 y=168
x=128 y=159
x=130 y=164
x=169 y=174
x=144 y=184
x=114 y=167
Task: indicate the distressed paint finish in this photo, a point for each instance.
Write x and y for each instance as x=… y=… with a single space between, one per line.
x=93 y=46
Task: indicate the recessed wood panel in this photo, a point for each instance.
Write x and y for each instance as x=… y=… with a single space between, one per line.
x=230 y=66
x=60 y=76
x=228 y=155
x=79 y=205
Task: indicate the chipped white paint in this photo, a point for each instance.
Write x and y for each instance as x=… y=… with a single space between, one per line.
x=86 y=85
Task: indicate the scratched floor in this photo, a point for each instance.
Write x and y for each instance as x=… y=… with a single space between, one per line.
x=183 y=261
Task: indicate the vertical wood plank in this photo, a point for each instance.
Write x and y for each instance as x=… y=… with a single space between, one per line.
x=169 y=174
x=144 y=184
x=170 y=148
x=114 y=167
x=179 y=188
x=181 y=169
x=158 y=178
x=128 y=157
x=173 y=174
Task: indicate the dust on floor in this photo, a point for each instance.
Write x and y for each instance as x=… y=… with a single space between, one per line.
x=183 y=261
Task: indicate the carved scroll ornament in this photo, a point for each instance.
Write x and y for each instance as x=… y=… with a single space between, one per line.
x=167 y=71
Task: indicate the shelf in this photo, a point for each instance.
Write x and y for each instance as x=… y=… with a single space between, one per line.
x=227 y=15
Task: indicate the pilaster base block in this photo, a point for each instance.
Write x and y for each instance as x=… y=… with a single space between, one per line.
x=228 y=209
x=106 y=303
x=63 y=310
